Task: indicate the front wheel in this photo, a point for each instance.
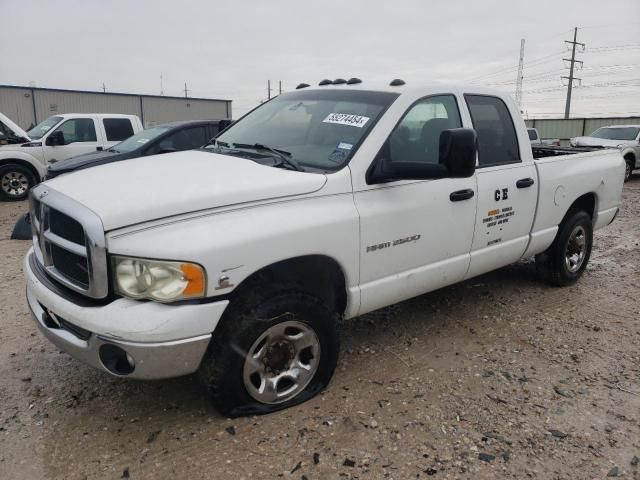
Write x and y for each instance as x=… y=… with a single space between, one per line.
x=15 y=181
x=271 y=351
x=566 y=259
x=627 y=169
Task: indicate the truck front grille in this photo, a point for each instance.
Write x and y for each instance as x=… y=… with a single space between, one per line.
x=69 y=242
x=66 y=227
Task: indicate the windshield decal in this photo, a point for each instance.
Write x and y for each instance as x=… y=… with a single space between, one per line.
x=143 y=140
x=346 y=119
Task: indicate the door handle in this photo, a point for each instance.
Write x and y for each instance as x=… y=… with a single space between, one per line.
x=461 y=195
x=524 y=182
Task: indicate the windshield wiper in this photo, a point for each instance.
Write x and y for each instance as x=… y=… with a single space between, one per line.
x=113 y=150
x=283 y=155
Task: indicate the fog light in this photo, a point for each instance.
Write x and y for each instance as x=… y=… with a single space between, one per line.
x=116 y=360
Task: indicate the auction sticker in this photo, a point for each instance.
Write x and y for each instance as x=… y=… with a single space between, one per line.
x=346 y=119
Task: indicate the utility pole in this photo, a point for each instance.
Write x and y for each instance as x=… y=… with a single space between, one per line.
x=269 y=89
x=104 y=87
x=186 y=90
x=161 y=86
x=520 y=76
x=279 y=87
x=573 y=61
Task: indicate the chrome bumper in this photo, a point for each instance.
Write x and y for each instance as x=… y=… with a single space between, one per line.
x=59 y=321
x=150 y=360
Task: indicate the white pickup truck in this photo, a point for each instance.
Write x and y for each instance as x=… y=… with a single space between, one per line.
x=626 y=138
x=323 y=203
x=24 y=164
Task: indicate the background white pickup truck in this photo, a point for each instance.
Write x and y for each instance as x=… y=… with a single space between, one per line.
x=322 y=203
x=626 y=138
x=57 y=138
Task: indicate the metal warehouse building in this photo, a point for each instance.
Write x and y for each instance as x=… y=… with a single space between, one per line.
x=30 y=105
x=564 y=129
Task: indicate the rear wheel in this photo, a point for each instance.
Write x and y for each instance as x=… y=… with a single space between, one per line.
x=15 y=181
x=567 y=257
x=274 y=349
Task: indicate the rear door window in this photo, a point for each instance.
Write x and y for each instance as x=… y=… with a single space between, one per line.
x=117 y=129
x=497 y=139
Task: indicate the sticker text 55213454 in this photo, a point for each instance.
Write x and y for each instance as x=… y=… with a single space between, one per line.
x=347 y=119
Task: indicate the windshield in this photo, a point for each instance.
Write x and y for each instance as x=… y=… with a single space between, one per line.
x=618 y=133
x=319 y=129
x=139 y=139
x=37 y=132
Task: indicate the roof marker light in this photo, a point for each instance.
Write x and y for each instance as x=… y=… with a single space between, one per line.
x=353 y=81
x=302 y=85
x=396 y=82
x=324 y=82
x=339 y=81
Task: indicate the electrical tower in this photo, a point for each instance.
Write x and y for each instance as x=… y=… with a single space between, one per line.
x=186 y=90
x=269 y=89
x=520 y=76
x=572 y=61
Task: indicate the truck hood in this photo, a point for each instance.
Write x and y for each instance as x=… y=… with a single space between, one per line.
x=86 y=160
x=18 y=132
x=158 y=186
x=601 y=142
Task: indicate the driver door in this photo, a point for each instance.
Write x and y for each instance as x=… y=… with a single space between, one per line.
x=79 y=136
x=415 y=236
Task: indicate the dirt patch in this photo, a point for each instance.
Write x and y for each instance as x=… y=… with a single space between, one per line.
x=501 y=376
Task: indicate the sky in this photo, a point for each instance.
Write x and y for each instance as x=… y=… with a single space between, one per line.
x=229 y=49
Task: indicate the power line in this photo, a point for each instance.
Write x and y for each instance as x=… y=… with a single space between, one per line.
x=530 y=63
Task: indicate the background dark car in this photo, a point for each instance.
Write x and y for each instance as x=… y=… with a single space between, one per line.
x=164 y=138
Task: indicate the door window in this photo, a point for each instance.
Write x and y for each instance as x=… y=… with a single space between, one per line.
x=78 y=130
x=497 y=140
x=186 y=139
x=117 y=129
x=417 y=137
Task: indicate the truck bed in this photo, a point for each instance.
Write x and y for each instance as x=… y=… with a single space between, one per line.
x=541 y=151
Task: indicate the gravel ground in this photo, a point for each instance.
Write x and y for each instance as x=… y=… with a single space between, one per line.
x=498 y=377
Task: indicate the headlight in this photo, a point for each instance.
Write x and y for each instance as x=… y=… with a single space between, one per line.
x=158 y=280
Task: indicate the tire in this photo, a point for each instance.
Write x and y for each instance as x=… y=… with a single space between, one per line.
x=565 y=260
x=267 y=323
x=628 y=169
x=15 y=181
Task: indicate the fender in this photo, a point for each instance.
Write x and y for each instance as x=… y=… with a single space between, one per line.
x=233 y=245
x=18 y=155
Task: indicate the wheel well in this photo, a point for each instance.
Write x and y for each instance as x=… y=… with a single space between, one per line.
x=317 y=274
x=22 y=163
x=586 y=203
x=630 y=156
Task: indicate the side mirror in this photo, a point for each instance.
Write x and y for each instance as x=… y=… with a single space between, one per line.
x=56 y=138
x=99 y=149
x=458 y=151
x=457 y=158
x=167 y=150
x=222 y=124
